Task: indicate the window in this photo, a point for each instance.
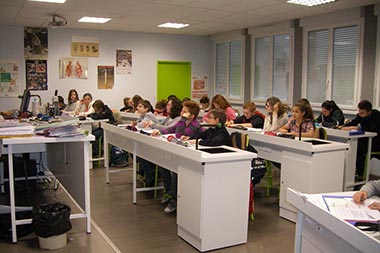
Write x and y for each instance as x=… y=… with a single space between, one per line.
x=228 y=69
x=271 y=67
x=331 y=65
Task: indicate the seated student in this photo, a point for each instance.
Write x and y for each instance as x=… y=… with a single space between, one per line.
x=174 y=108
x=61 y=103
x=371 y=188
x=146 y=116
x=101 y=111
x=205 y=104
x=128 y=105
x=85 y=106
x=277 y=114
x=214 y=136
x=219 y=102
x=73 y=101
x=301 y=121
x=160 y=108
x=188 y=126
x=331 y=115
x=250 y=117
x=144 y=108
x=136 y=98
x=369 y=120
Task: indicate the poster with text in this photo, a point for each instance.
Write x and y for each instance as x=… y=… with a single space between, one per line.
x=9 y=78
x=123 y=61
x=106 y=77
x=36 y=74
x=35 y=43
x=199 y=86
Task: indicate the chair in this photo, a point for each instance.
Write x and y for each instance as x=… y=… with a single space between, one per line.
x=241 y=141
x=320 y=133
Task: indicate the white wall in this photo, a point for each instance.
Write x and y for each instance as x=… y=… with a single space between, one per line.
x=147 y=49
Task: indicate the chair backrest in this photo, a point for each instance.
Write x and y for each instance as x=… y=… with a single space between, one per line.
x=320 y=133
x=239 y=140
x=117 y=117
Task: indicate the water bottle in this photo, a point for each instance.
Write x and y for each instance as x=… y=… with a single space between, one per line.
x=55 y=104
x=359 y=127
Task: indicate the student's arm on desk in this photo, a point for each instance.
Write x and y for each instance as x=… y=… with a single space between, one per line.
x=349 y=128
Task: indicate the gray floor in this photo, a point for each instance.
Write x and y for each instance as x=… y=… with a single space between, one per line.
x=120 y=226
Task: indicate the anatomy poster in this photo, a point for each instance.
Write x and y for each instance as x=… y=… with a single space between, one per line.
x=9 y=78
x=73 y=68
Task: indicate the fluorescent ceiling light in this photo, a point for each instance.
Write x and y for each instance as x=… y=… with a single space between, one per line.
x=173 y=25
x=310 y=2
x=49 y=1
x=94 y=20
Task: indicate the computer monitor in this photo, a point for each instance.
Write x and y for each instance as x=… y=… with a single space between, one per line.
x=25 y=99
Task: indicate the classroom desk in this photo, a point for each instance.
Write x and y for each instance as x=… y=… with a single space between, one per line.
x=129 y=116
x=317 y=230
x=68 y=160
x=350 y=159
x=305 y=167
x=213 y=189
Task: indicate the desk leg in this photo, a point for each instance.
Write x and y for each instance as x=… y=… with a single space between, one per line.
x=298 y=238
x=134 y=173
x=106 y=156
x=12 y=193
x=87 y=185
x=368 y=158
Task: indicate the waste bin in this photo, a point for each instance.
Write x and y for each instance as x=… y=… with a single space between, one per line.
x=51 y=223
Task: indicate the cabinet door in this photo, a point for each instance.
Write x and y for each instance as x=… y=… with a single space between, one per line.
x=296 y=174
x=189 y=200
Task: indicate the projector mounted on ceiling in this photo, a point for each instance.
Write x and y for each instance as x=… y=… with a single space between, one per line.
x=57 y=22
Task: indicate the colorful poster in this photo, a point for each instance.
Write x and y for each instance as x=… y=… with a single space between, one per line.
x=106 y=77
x=199 y=86
x=123 y=61
x=9 y=78
x=36 y=43
x=73 y=68
x=36 y=74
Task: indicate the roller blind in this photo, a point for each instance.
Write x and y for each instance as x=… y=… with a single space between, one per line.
x=262 y=68
x=281 y=61
x=221 y=68
x=317 y=65
x=235 y=70
x=344 y=65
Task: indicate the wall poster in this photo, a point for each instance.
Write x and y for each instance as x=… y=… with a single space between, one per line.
x=106 y=77
x=199 y=86
x=36 y=74
x=73 y=68
x=86 y=49
x=123 y=61
x=35 y=43
x=9 y=78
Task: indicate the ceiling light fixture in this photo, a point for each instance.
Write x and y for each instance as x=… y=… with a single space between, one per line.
x=49 y=1
x=94 y=20
x=310 y=2
x=173 y=25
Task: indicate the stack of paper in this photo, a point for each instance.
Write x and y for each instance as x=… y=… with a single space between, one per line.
x=21 y=130
x=64 y=131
